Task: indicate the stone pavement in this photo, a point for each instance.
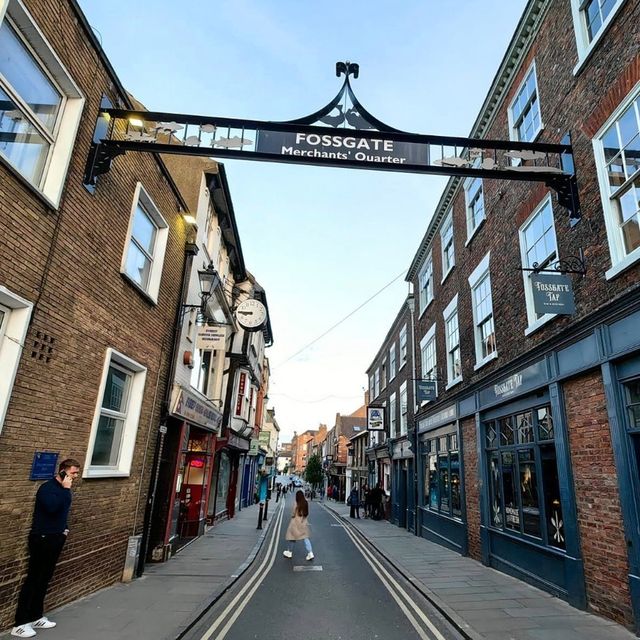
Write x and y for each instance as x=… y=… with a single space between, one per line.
x=484 y=603
x=162 y=603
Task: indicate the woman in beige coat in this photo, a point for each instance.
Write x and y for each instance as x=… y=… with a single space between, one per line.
x=298 y=528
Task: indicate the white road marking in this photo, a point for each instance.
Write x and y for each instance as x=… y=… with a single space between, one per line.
x=372 y=560
x=338 y=525
x=308 y=567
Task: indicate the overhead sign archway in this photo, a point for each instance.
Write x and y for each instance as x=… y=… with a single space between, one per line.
x=341 y=134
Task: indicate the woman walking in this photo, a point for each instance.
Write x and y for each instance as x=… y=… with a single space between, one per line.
x=298 y=528
x=354 y=502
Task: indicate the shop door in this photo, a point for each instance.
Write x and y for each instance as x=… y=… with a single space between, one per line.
x=402 y=495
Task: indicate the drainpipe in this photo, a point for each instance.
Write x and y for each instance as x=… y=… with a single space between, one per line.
x=190 y=251
x=411 y=303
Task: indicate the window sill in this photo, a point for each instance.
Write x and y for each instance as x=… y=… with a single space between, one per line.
x=487 y=360
x=473 y=233
x=453 y=383
x=446 y=275
x=624 y=264
x=96 y=472
x=145 y=294
x=30 y=186
x=540 y=322
x=426 y=307
x=585 y=55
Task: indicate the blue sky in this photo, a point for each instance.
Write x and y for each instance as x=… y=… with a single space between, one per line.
x=320 y=241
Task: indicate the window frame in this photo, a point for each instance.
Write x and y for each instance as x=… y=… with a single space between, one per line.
x=513 y=123
x=431 y=449
x=480 y=274
x=446 y=225
x=152 y=289
x=392 y=361
x=620 y=261
x=403 y=346
x=138 y=374
x=393 y=414
x=427 y=340
x=404 y=409
x=468 y=183
x=448 y=313
x=426 y=291
x=49 y=187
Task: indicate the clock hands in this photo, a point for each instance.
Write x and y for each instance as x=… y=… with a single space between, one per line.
x=245 y=313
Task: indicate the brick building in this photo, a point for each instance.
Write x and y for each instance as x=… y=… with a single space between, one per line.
x=530 y=453
x=90 y=287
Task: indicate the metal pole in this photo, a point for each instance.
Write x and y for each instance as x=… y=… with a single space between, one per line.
x=260 y=517
x=266 y=508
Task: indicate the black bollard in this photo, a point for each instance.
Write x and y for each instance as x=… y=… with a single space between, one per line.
x=266 y=508
x=260 y=518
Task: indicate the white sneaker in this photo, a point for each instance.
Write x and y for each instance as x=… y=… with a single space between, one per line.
x=310 y=556
x=23 y=631
x=43 y=623
x=287 y=554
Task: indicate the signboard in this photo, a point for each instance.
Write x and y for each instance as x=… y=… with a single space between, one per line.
x=528 y=378
x=264 y=437
x=211 y=338
x=253 y=447
x=341 y=146
x=193 y=409
x=375 y=419
x=241 y=386
x=45 y=465
x=436 y=419
x=552 y=293
x=426 y=391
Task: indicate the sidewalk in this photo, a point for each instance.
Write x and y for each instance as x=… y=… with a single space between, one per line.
x=162 y=603
x=482 y=602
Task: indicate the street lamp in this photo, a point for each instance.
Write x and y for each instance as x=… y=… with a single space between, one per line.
x=209 y=280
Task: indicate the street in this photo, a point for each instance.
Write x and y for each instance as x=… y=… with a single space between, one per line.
x=345 y=592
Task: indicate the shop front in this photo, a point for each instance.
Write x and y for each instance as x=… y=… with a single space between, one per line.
x=222 y=503
x=403 y=501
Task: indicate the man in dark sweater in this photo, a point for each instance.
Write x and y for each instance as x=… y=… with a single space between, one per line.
x=48 y=535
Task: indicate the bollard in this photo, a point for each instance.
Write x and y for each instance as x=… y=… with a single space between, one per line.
x=266 y=508
x=260 y=518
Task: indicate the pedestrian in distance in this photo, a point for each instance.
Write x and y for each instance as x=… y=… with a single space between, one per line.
x=329 y=492
x=367 y=501
x=48 y=534
x=354 y=502
x=298 y=528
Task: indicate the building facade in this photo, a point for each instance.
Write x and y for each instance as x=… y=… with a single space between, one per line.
x=529 y=455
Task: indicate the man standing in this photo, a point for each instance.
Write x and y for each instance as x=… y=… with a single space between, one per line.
x=48 y=535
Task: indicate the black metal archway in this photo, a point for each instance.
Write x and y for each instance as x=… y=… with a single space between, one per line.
x=341 y=134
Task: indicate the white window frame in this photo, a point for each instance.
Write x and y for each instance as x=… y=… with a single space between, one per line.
x=403 y=345
x=478 y=276
x=448 y=223
x=376 y=382
x=426 y=283
x=384 y=375
x=619 y=260
x=160 y=246
x=586 y=48
x=426 y=372
x=393 y=414
x=54 y=175
x=447 y=314
x=533 y=323
x=371 y=387
x=14 y=332
x=513 y=125
x=392 y=362
x=404 y=409
x=130 y=429
x=471 y=231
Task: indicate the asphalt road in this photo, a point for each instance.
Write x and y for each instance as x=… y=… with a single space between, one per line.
x=337 y=596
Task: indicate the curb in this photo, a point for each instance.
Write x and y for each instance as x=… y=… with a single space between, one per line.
x=240 y=571
x=457 y=621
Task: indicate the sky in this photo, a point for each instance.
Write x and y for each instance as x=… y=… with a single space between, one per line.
x=320 y=240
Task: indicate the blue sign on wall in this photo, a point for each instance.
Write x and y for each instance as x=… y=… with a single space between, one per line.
x=45 y=465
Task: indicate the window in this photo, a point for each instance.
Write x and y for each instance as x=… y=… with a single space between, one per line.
x=452 y=336
x=442 y=477
x=483 y=325
x=403 y=346
x=393 y=415
x=145 y=248
x=202 y=370
x=372 y=388
x=403 y=409
x=524 y=489
x=425 y=280
x=591 y=18
x=392 y=361
x=40 y=105
x=383 y=374
x=428 y=354
x=115 y=422
x=617 y=149
x=537 y=247
x=474 y=200
x=448 y=249
x=524 y=111
x=15 y=313
x=376 y=383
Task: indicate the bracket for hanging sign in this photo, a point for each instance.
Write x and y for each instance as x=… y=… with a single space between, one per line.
x=569 y=264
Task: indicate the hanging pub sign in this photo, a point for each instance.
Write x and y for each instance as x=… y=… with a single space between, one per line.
x=375 y=418
x=210 y=338
x=552 y=294
x=426 y=391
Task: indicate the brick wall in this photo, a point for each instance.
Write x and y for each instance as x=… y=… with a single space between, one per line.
x=471 y=485
x=67 y=262
x=602 y=538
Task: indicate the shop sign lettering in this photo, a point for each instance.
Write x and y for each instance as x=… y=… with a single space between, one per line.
x=552 y=294
x=194 y=410
x=508 y=386
x=513 y=516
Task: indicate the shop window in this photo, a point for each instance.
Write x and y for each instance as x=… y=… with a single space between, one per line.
x=442 y=479
x=523 y=476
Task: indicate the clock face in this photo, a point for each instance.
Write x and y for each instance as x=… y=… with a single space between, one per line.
x=251 y=314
